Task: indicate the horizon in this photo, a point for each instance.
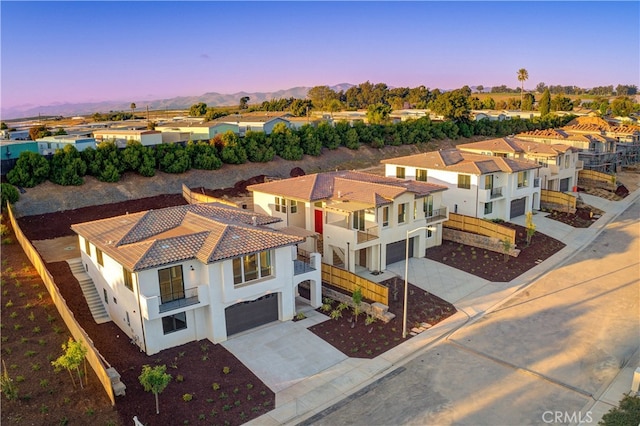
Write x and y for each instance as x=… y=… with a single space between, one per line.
x=135 y=51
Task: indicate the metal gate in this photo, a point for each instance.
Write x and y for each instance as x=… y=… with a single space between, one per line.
x=247 y=315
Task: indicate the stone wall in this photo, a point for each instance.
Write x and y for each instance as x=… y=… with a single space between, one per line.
x=475 y=240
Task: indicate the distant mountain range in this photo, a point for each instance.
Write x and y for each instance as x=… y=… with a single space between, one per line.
x=180 y=102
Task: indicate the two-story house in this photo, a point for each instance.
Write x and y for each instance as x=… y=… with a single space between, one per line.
x=560 y=164
x=204 y=271
x=362 y=219
x=479 y=185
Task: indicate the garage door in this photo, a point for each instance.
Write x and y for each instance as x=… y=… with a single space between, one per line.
x=247 y=315
x=517 y=207
x=397 y=251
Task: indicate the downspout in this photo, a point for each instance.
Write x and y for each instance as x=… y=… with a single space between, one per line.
x=144 y=339
x=477 y=195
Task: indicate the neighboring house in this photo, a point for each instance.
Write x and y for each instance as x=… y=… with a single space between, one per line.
x=11 y=150
x=479 y=186
x=49 y=144
x=361 y=219
x=560 y=164
x=183 y=131
x=298 y=122
x=122 y=136
x=255 y=121
x=202 y=271
x=409 y=114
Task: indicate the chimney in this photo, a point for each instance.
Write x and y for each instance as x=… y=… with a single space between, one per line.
x=254 y=219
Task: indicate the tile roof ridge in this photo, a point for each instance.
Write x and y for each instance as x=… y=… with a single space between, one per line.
x=205 y=257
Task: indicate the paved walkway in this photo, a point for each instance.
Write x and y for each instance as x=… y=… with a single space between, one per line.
x=335 y=378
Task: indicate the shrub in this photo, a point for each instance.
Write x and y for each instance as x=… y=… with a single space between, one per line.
x=187 y=397
x=9 y=195
x=31 y=169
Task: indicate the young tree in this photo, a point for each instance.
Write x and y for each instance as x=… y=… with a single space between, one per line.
x=356 y=298
x=73 y=357
x=154 y=380
x=243 y=102
x=7 y=387
x=523 y=75
x=531 y=227
x=506 y=248
x=133 y=109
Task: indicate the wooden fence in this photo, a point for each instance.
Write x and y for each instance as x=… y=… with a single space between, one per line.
x=599 y=177
x=195 y=198
x=348 y=281
x=93 y=357
x=559 y=198
x=481 y=227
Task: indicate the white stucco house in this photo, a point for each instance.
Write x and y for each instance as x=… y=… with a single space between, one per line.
x=559 y=163
x=478 y=185
x=204 y=271
x=258 y=121
x=361 y=219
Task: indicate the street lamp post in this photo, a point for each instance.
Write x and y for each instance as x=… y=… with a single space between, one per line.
x=406 y=275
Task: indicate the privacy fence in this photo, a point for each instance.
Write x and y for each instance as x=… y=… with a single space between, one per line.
x=481 y=227
x=349 y=281
x=557 y=198
x=586 y=177
x=93 y=357
x=194 y=198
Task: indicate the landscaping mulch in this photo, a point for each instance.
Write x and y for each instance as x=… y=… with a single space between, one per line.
x=494 y=266
x=358 y=339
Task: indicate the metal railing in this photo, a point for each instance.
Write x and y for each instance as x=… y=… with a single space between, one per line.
x=179 y=299
x=436 y=214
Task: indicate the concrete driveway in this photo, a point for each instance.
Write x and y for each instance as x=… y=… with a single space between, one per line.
x=282 y=354
x=555 y=347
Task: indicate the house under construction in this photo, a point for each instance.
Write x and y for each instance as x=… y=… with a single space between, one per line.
x=603 y=147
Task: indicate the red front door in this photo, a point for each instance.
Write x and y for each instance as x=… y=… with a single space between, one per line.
x=318 y=221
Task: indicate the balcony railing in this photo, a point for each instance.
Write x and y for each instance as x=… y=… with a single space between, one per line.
x=536 y=182
x=554 y=169
x=370 y=233
x=180 y=299
x=579 y=165
x=437 y=215
x=496 y=192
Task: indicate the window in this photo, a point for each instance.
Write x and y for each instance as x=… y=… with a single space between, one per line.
x=128 y=278
x=87 y=247
x=567 y=161
x=429 y=233
x=358 y=220
x=252 y=267
x=464 y=181
x=174 y=322
x=400 y=172
x=427 y=206
x=171 y=284
x=415 y=210
x=488 y=208
x=488 y=182
x=294 y=206
x=385 y=216
x=106 y=298
x=522 y=179
x=128 y=320
x=421 y=175
x=402 y=213
x=99 y=257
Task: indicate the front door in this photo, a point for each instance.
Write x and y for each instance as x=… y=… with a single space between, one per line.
x=318 y=221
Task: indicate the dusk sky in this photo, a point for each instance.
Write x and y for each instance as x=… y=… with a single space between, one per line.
x=57 y=52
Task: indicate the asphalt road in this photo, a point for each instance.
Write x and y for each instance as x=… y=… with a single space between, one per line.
x=553 y=348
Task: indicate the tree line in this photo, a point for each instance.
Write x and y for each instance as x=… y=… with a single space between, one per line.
x=108 y=163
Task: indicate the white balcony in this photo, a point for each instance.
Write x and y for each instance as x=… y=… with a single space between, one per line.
x=492 y=194
x=191 y=298
x=438 y=215
x=579 y=165
x=554 y=169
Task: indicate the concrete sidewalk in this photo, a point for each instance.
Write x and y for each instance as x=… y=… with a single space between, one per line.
x=472 y=296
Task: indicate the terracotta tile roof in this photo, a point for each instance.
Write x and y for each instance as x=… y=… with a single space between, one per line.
x=332 y=185
x=462 y=162
x=207 y=232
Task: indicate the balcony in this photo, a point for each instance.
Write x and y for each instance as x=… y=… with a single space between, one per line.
x=536 y=182
x=437 y=215
x=341 y=231
x=180 y=299
x=152 y=307
x=579 y=165
x=488 y=195
x=553 y=168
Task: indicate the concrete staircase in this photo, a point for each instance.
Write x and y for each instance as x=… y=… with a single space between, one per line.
x=94 y=299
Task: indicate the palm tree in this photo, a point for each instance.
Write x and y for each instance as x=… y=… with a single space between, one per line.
x=133 y=108
x=523 y=75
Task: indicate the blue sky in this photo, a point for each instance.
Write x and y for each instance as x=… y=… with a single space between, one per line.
x=56 y=52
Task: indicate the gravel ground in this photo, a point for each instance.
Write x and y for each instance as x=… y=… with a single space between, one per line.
x=49 y=197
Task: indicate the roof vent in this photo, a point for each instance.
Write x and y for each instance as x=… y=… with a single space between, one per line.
x=254 y=220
